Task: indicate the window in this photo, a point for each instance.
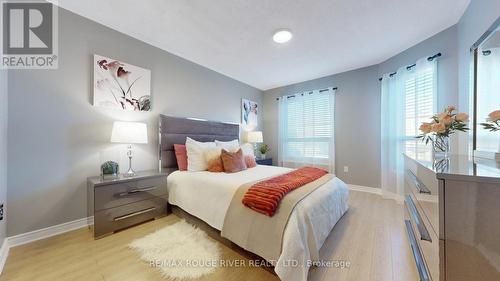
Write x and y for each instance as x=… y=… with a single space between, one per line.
x=408 y=97
x=420 y=106
x=306 y=128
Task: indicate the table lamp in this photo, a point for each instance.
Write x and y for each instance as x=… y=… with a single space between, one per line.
x=129 y=133
x=254 y=137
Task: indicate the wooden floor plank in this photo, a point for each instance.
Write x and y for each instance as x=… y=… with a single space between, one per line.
x=371 y=236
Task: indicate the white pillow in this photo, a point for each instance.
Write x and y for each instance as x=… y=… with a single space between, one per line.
x=231 y=146
x=212 y=153
x=247 y=149
x=196 y=154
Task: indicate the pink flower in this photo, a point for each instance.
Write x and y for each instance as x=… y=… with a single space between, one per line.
x=113 y=65
x=426 y=128
x=438 y=128
x=450 y=108
x=121 y=72
x=103 y=64
x=462 y=117
x=494 y=116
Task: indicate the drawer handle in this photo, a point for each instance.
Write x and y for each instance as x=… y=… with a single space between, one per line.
x=417 y=255
x=422 y=188
x=134 y=214
x=138 y=190
x=424 y=234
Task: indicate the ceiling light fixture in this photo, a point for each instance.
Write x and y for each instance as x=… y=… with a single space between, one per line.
x=282 y=36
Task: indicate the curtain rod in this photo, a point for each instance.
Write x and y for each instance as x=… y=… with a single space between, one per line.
x=310 y=92
x=431 y=58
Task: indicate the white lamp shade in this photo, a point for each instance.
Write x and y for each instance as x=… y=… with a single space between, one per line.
x=129 y=132
x=254 y=137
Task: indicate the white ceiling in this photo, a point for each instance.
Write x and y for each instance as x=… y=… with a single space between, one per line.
x=234 y=37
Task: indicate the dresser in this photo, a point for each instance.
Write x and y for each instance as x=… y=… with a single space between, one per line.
x=452 y=209
x=119 y=203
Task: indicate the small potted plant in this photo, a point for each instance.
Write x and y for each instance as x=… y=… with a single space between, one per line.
x=443 y=124
x=493 y=122
x=263 y=149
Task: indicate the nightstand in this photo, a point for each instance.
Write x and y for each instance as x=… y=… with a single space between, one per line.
x=265 y=161
x=125 y=201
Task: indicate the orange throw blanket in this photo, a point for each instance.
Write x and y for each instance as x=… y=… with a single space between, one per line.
x=265 y=196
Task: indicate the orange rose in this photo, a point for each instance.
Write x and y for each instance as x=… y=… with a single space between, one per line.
x=442 y=115
x=462 y=117
x=425 y=128
x=494 y=116
x=446 y=120
x=438 y=128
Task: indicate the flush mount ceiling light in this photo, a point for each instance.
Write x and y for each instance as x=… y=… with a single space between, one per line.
x=282 y=36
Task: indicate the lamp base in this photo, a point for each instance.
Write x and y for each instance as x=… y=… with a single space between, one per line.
x=130 y=172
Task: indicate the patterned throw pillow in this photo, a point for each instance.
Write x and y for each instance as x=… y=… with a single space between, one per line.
x=233 y=161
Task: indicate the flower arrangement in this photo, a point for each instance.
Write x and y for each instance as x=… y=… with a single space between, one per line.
x=443 y=125
x=493 y=122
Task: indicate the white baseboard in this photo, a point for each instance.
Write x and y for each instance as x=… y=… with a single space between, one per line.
x=43 y=233
x=4 y=253
x=389 y=195
x=378 y=191
x=367 y=189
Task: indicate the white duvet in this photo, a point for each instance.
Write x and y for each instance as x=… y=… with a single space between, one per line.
x=207 y=196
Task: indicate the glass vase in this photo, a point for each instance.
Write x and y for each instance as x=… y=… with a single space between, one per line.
x=441 y=146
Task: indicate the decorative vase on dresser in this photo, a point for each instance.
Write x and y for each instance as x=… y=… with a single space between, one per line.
x=450 y=211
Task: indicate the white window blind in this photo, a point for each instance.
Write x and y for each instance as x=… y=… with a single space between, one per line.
x=420 y=88
x=307 y=129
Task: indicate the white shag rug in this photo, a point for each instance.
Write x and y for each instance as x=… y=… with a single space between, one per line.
x=179 y=251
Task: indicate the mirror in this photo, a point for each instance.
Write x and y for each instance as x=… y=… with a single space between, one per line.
x=486 y=51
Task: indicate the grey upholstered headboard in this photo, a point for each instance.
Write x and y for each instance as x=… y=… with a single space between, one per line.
x=174 y=130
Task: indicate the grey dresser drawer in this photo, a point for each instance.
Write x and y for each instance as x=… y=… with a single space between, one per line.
x=427 y=243
x=114 y=195
x=423 y=186
x=110 y=220
x=425 y=200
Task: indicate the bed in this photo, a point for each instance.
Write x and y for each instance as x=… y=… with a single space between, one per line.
x=207 y=196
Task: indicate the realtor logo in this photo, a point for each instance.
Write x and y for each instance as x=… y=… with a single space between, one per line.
x=29 y=35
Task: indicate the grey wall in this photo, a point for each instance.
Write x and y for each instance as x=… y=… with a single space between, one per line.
x=357 y=100
x=3 y=148
x=359 y=90
x=446 y=43
x=56 y=136
x=478 y=17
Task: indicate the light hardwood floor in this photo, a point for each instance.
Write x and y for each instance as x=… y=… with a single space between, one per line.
x=371 y=236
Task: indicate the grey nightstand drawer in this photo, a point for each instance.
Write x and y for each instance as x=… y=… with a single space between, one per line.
x=114 y=195
x=110 y=220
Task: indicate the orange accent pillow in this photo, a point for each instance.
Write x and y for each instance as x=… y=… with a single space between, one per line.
x=215 y=165
x=250 y=161
x=233 y=161
x=181 y=156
